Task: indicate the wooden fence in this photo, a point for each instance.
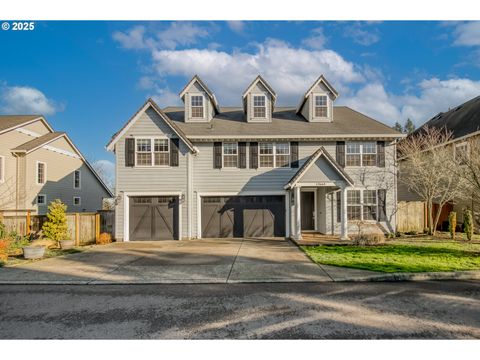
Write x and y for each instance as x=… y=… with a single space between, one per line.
x=84 y=228
x=411 y=216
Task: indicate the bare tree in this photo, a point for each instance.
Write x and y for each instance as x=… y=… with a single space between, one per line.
x=469 y=158
x=428 y=168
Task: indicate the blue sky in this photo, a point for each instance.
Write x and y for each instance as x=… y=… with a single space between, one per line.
x=88 y=77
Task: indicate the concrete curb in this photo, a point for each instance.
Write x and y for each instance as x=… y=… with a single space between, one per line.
x=454 y=275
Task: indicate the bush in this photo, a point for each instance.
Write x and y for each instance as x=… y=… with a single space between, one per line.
x=104 y=239
x=4 y=244
x=368 y=240
x=55 y=228
x=452 y=223
x=468 y=223
x=411 y=232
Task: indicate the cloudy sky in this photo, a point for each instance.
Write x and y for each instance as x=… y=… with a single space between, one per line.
x=88 y=78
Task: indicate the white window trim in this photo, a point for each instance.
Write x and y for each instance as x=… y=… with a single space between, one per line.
x=2 y=169
x=79 y=201
x=362 y=204
x=204 y=106
x=45 y=203
x=223 y=156
x=44 y=172
x=275 y=156
x=361 y=153
x=79 y=180
x=315 y=105
x=461 y=144
x=152 y=152
x=253 y=106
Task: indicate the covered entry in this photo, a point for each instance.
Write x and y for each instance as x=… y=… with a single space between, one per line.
x=153 y=218
x=243 y=216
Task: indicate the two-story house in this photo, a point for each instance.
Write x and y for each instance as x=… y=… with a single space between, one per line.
x=39 y=165
x=257 y=170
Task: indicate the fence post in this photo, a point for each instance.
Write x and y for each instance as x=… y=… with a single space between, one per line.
x=77 y=229
x=27 y=226
x=97 y=226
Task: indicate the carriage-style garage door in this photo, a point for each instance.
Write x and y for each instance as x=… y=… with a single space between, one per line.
x=153 y=218
x=243 y=216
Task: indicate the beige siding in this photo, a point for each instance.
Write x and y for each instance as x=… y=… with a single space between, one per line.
x=36 y=127
x=149 y=179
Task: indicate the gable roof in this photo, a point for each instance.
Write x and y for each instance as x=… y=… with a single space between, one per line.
x=34 y=144
x=311 y=160
x=260 y=79
x=11 y=122
x=285 y=124
x=321 y=79
x=210 y=94
x=462 y=121
x=150 y=103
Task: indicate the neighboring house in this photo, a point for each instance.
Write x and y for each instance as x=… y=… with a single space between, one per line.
x=39 y=165
x=258 y=170
x=463 y=122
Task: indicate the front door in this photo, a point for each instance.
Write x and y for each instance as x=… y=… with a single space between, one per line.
x=308 y=210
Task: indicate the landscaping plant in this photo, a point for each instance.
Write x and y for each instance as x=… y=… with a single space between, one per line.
x=468 y=223
x=452 y=223
x=4 y=244
x=55 y=228
x=104 y=239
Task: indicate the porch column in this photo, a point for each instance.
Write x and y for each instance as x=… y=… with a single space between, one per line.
x=344 y=220
x=298 y=223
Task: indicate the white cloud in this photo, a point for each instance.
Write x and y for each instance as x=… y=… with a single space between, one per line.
x=164 y=97
x=288 y=69
x=236 y=26
x=132 y=39
x=467 y=33
x=434 y=96
x=361 y=34
x=317 y=40
x=26 y=100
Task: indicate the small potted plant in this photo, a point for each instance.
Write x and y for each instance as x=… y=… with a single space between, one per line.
x=33 y=251
x=56 y=228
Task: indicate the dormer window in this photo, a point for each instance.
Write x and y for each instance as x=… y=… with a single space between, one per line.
x=259 y=106
x=197 y=106
x=321 y=106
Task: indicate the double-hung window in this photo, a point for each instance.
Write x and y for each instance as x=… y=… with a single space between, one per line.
x=230 y=155
x=41 y=199
x=282 y=155
x=152 y=152
x=161 y=153
x=321 y=106
x=362 y=205
x=354 y=205
x=77 y=179
x=266 y=156
x=361 y=154
x=369 y=204
x=259 y=106
x=273 y=155
x=41 y=173
x=197 y=106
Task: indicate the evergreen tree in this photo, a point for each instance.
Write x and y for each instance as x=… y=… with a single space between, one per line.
x=55 y=228
x=398 y=127
x=409 y=126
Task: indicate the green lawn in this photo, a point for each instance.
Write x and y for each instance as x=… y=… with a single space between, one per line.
x=401 y=256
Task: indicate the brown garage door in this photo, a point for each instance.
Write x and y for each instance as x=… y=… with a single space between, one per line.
x=243 y=216
x=153 y=218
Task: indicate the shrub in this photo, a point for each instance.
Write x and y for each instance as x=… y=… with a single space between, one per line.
x=104 y=239
x=468 y=223
x=55 y=228
x=452 y=223
x=368 y=240
x=411 y=232
x=4 y=245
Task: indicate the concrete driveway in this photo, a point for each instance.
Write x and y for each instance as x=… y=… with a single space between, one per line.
x=194 y=261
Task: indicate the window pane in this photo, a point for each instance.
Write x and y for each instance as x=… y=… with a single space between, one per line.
x=143 y=145
x=230 y=148
x=266 y=148
x=282 y=148
x=353 y=197
x=354 y=212
x=353 y=148
x=41 y=173
x=259 y=100
x=144 y=158
x=197 y=100
x=282 y=160
x=370 y=197
x=197 y=112
x=353 y=160
x=369 y=159
x=259 y=112
x=230 y=160
x=321 y=112
x=266 y=160
x=370 y=148
x=321 y=100
x=369 y=212
x=162 y=158
x=161 y=145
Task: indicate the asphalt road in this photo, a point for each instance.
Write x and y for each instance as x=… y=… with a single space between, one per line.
x=426 y=310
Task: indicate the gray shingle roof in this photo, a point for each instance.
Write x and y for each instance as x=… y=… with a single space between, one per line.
x=461 y=120
x=9 y=121
x=285 y=122
x=37 y=142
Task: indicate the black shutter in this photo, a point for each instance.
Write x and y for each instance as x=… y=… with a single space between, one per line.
x=217 y=155
x=174 y=143
x=382 y=211
x=129 y=152
x=381 y=153
x=253 y=155
x=294 y=154
x=341 y=153
x=339 y=206
x=242 y=155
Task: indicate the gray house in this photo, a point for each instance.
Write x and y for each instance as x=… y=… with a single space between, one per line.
x=258 y=170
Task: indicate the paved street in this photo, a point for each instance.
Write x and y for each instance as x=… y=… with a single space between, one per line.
x=431 y=310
